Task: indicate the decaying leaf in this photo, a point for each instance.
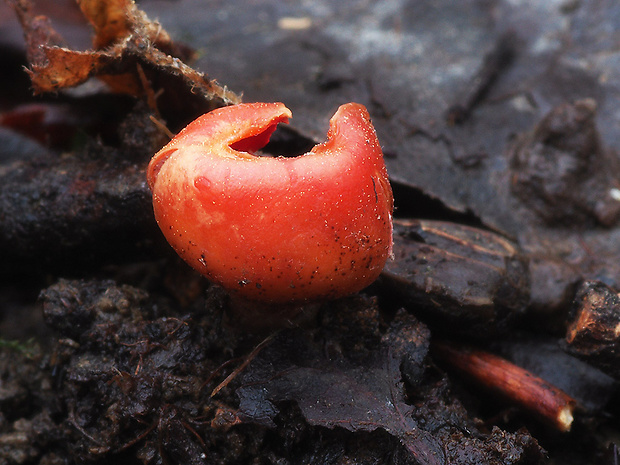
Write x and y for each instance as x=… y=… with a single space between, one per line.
x=332 y=394
x=111 y=20
x=125 y=42
x=361 y=389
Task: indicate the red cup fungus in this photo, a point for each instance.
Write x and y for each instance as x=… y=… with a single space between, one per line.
x=317 y=226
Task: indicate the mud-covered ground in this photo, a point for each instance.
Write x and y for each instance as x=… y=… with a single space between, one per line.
x=490 y=337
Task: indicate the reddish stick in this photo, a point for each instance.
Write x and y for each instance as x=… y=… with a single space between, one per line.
x=545 y=401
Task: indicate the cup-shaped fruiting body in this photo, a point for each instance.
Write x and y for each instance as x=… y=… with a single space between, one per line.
x=316 y=226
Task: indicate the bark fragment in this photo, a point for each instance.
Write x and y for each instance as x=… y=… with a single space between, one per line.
x=594 y=332
x=73 y=211
x=461 y=279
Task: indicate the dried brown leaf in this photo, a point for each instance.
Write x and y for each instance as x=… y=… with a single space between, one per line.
x=124 y=39
x=69 y=68
x=111 y=19
x=338 y=393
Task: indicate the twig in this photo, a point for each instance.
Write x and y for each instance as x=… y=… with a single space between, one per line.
x=545 y=401
x=245 y=363
x=162 y=127
x=73 y=421
x=138 y=438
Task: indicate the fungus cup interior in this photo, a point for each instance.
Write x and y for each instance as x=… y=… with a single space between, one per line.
x=255 y=142
x=254 y=139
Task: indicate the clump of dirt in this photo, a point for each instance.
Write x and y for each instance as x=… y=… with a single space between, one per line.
x=131 y=379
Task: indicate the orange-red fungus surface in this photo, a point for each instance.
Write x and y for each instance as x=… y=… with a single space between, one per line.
x=316 y=226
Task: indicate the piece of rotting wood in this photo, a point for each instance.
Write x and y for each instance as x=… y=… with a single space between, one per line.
x=594 y=332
